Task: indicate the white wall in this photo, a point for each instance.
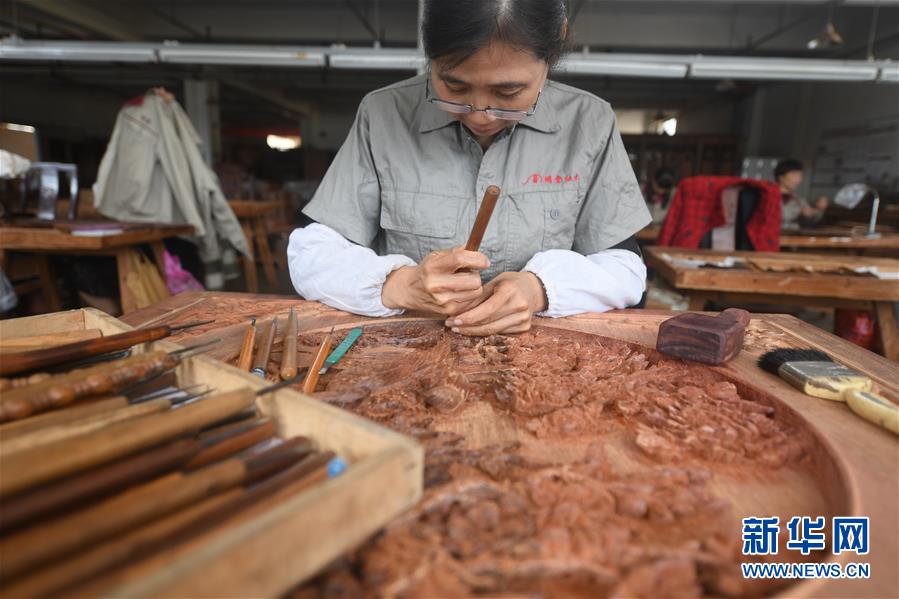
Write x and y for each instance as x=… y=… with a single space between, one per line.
x=712 y=119
x=327 y=130
x=68 y=112
x=789 y=119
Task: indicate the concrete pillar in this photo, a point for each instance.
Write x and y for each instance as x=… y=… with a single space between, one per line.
x=310 y=128
x=202 y=105
x=421 y=46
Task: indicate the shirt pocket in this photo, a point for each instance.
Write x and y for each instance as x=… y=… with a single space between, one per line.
x=543 y=220
x=417 y=223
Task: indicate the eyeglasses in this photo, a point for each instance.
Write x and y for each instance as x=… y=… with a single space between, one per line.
x=498 y=113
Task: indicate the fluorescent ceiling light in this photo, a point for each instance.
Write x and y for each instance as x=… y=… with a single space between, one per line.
x=594 y=65
x=376 y=59
x=241 y=55
x=16 y=49
x=283 y=143
x=669 y=126
x=782 y=69
x=19 y=128
x=408 y=59
x=889 y=72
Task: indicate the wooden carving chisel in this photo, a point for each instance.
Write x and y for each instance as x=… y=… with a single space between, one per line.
x=245 y=361
x=188 y=454
x=15 y=428
x=289 y=348
x=311 y=379
x=341 y=349
x=34 y=546
x=22 y=344
x=491 y=195
x=265 y=348
x=26 y=469
x=14 y=363
x=62 y=390
x=88 y=424
x=161 y=534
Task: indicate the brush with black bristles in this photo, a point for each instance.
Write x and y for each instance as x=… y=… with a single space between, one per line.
x=815 y=373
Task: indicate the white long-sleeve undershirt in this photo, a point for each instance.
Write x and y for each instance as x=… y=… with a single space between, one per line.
x=326 y=267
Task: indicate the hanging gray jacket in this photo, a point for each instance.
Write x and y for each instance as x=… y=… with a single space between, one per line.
x=153 y=171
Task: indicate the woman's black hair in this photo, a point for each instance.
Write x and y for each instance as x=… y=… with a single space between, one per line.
x=453 y=30
x=665 y=177
x=785 y=166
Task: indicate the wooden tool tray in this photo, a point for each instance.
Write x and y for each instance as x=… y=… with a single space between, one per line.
x=268 y=553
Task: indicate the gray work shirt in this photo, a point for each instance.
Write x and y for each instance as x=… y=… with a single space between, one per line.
x=409 y=179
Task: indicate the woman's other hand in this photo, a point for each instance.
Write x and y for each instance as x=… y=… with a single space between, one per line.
x=446 y=282
x=507 y=306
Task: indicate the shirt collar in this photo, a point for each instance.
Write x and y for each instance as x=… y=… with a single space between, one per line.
x=544 y=118
x=432 y=118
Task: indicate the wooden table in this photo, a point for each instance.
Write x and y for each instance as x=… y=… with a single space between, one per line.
x=866 y=458
x=44 y=241
x=823 y=239
x=648 y=234
x=839 y=240
x=252 y=217
x=823 y=280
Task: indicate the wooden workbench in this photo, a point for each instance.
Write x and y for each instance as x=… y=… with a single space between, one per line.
x=822 y=280
x=44 y=241
x=841 y=239
x=865 y=460
x=824 y=239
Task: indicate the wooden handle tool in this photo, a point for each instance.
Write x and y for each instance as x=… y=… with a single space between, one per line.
x=265 y=348
x=491 y=195
x=62 y=390
x=189 y=454
x=311 y=379
x=341 y=350
x=15 y=428
x=68 y=577
x=37 y=342
x=24 y=508
x=41 y=358
x=35 y=546
x=289 y=348
x=14 y=383
x=245 y=361
x=703 y=338
x=815 y=373
x=26 y=469
x=217 y=445
x=170 y=530
x=84 y=426
x=93 y=407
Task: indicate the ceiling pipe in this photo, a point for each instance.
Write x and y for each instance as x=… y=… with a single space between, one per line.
x=667 y=66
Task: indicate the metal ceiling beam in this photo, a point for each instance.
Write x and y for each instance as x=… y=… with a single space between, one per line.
x=295 y=106
x=110 y=27
x=882 y=3
x=372 y=29
x=676 y=66
x=780 y=30
x=87 y=17
x=171 y=20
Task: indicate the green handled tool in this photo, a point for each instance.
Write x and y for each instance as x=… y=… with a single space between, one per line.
x=341 y=349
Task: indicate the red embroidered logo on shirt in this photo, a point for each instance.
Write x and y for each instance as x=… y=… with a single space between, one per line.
x=537 y=178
